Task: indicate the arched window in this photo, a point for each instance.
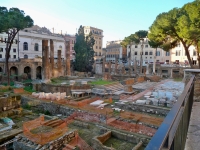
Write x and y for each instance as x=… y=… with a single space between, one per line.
x=25 y=46
x=60 y=46
x=26 y=56
x=36 y=47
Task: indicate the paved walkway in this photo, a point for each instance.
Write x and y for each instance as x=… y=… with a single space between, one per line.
x=193 y=137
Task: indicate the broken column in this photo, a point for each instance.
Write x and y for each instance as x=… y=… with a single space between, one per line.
x=116 y=59
x=52 y=57
x=103 y=66
x=67 y=49
x=45 y=60
x=59 y=62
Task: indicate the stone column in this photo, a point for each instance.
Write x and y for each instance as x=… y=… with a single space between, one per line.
x=187 y=75
x=33 y=73
x=109 y=67
x=116 y=59
x=103 y=66
x=147 y=69
x=45 y=60
x=52 y=58
x=135 y=66
x=67 y=49
x=59 y=61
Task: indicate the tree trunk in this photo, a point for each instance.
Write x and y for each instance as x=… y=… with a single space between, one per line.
x=187 y=54
x=154 y=62
x=7 y=68
x=198 y=57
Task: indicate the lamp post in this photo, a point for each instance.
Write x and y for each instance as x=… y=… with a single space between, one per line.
x=141 y=53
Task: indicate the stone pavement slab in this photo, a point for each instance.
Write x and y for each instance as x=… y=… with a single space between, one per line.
x=193 y=135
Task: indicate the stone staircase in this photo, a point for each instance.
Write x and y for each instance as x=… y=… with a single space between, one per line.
x=114 y=87
x=53 y=123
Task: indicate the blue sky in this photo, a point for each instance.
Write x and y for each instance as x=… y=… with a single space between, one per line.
x=117 y=18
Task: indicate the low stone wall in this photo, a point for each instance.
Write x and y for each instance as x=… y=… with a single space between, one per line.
x=99 y=140
x=144 y=108
x=61 y=88
x=104 y=137
x=129 y=81
x=140 y=79
x=24 y=143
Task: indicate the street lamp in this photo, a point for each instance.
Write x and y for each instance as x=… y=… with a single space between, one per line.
x=141 y=53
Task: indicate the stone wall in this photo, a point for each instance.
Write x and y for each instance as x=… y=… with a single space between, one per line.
x=104 y=137
x=150 y=109
x=23 y=143
x=61 y=88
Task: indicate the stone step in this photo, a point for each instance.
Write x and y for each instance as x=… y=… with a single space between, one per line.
x=53 y=123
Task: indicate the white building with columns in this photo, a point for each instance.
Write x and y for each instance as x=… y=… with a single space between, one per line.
x=30 y=45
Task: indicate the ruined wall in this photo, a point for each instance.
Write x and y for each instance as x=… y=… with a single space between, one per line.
x=150 y=109
x=23 y=143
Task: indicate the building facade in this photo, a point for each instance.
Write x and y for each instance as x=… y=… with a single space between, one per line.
x=98 y=36
x=72 y=41
x=176 y=55
x=113 y=50
x=30 y=45
x=14 y=52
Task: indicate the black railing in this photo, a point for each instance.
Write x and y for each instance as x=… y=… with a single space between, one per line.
x=172 y=133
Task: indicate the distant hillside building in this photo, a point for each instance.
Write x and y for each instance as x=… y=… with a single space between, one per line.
x=98 y=36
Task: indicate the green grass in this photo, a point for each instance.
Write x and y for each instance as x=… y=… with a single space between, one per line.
x=178 y=79
x=29 y=89
x=101 y=82
x=27 y=81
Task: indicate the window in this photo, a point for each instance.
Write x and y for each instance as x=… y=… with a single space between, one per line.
x=14 y=56
x=178 y=45
x=146 y=53
x=100 y=38
x=72 y=40
x=1 y=49
x=194 y=53
x=72 y=48
x=99 y=53
x=26 y=56
x=136 y=46
x=150 y=53
x=25 y=46
x=146 y=46
x=1 y=40
x=167 y=53
x=96 y=47
x=0 y=55
x=36 y=47
x=99 y=47
x=135 y=53
x=178 y=52
x=100 y=33
x=158 y=53
x=14 y=50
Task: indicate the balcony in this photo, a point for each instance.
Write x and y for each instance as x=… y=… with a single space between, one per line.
x=173 y=132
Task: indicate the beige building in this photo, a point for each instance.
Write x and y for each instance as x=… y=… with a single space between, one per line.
x=98 y=36
x=113 y=50
x=149 y=54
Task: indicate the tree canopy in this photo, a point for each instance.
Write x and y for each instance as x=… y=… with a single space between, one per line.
x=84 y=51
x=134 y=38
x=11 y=21
x=177 y=25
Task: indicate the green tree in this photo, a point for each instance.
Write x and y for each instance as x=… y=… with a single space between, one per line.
x=136 y=37
x=172 y=27
x=84 y=51
x=192 y=10
x=11 y=22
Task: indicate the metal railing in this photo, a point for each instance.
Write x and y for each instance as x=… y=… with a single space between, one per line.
x=172 y=133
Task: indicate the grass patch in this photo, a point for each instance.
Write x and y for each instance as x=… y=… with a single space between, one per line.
x=29 y=88
x=178 y=79
x=27 y=81
x=101 y=82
